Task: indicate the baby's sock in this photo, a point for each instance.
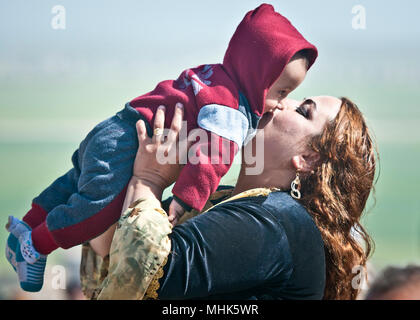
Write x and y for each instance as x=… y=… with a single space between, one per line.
x=16 y=228
x=24 y=258
x=10 y=250
x=30 y=264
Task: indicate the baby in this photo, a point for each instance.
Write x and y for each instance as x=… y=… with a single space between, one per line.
x=266 y=59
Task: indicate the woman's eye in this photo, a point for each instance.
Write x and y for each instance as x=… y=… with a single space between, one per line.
x=303 y=111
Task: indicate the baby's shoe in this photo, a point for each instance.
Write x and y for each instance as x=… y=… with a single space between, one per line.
x=16 y=228
x=30 y=264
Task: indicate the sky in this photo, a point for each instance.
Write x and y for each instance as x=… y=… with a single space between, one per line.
x=163 y=37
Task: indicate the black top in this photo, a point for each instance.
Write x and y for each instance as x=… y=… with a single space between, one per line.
x=265 y=247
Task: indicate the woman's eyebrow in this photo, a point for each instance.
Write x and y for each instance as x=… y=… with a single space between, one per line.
x=311 y=102
x=314 y=104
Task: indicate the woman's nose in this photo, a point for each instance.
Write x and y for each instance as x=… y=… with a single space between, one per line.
x=289 y=104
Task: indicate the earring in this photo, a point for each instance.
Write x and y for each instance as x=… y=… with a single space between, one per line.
x=295 y=186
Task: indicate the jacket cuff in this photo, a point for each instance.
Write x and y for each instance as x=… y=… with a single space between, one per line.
x=43 y=240
x=35 y=216
x=182 y=203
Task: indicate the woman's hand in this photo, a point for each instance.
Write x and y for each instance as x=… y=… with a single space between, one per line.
x=150 y=177
x=157 y=160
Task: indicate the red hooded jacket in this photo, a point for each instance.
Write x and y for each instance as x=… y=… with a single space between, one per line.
x=226 y=100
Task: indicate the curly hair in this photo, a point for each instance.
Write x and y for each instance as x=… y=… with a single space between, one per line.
x=335 y=194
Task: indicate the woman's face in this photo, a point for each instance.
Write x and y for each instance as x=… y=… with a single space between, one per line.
x=289 y=127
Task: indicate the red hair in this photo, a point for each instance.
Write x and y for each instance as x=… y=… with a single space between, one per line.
x=336 y=192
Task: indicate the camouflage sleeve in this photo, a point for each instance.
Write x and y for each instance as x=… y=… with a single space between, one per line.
x=138 y=250
x=93 y=271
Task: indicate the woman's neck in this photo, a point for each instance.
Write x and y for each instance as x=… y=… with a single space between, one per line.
x=279 y=179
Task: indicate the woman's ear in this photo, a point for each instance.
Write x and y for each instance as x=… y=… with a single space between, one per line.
x=305 y=162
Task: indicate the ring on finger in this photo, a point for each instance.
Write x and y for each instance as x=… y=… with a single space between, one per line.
x=158 y=131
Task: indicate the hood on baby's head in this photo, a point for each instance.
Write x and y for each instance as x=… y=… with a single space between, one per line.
x=262 y=45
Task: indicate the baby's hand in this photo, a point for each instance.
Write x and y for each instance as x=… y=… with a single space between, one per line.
x=176 y=211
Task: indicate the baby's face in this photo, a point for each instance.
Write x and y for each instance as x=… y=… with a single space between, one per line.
x=291 y=77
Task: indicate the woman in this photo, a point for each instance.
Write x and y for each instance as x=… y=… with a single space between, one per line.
x=261 y=243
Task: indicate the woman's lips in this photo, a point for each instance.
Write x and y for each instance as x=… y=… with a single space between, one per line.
x=266 y=118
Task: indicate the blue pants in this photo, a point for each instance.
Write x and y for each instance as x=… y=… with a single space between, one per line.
x=87 y=200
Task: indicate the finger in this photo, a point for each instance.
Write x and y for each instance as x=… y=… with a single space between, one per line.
x=176 y=124
x=141 y=131
x=173 y=213
x=159 y=124
x=173 y=219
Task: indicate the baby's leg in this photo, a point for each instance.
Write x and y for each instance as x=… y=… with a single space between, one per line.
x=62 y=188
x=106 y=161
x=82 y=203
x=57 y=193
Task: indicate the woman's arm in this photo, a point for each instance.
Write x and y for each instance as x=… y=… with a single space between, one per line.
x=140 y=188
